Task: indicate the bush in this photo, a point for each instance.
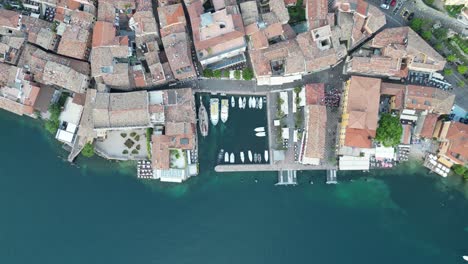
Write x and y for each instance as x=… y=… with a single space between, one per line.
x=461 y=84
x=149 y=132
x=237 y=74
x=138 y=147
x=416 y=24
x=247 y=74
x=226 y=74
x=53 y=123
x=133 y=134
x=207 y=73
x=134 y=151
x=137 y=138
x=451 y=58
x=439 y=46
x=462 y=69
x=427 y=35
x=124 y=135
x=448 y=72
x=389 y=131
x=217 y=73
x=441 y=33
x=129 y=143
x=125 y=151
x=88 y=150
x=460 y=170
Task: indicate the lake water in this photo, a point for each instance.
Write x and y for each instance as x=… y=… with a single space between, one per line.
x=55 y=213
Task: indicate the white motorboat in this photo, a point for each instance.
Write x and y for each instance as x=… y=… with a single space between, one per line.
x=260 y=134
x=255 y=157
x=224 y=110
x=244 y=102
x=260 y=103
x=250 y=102
x=231 y=158
x=242 y=156
x=240 y=102
x=233 y=102
x=214 y=111
x=256 y=103
x=259 y=158
x=266 y=155
x=465 y=258
x=250 y=155
x=226 y=156
x=259 y=129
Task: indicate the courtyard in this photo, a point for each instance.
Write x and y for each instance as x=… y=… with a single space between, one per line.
x=124 y=144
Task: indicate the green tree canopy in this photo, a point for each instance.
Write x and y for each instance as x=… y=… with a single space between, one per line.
x=207 y=73
x=247 y=74
x=53 y=123
x=217 y=73
x=237 y=74
x=462 y=69
x=448 y=72
x=427 y=35
x=460 y=170
x=416 y=24
x=389 y=131
x=451 y=58
x=88 y=150
x=441 y=33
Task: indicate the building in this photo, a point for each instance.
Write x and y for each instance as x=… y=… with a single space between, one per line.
x=218 y=36
x=314 y=140
x=17 y=94
x=70 y=119
x=454 y=142
x=393 y=53
x=429 y=99
x=396 y=93
x=360 y=115
x=10 y=22
x=429 y=124
x=176 y=41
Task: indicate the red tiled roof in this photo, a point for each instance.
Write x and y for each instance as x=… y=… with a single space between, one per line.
x=104 y=34
x=429 y=125
x=315 y=92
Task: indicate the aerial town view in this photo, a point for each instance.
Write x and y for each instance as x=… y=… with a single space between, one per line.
x=327 y=93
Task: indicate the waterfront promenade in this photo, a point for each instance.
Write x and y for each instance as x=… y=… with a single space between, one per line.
x=271 y=167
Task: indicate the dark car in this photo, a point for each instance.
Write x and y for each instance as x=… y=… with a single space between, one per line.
x=411 y=16
x=393 y=3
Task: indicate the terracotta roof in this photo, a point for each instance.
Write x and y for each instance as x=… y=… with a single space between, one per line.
x=406 y=136
x=170 y=15
x=429 y=126
x=9 y=18
x=315 y=93
x=458 y=137
x=397 y=91
x=363 y=107
x=316 y=131
x=429 y=98
x=317 y=11
x=74 y=42
x=104 y=34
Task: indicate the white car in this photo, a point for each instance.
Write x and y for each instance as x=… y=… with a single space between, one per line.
x=384 y=6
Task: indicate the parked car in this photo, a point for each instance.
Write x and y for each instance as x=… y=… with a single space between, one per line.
x=384 y=6
x=393 y=3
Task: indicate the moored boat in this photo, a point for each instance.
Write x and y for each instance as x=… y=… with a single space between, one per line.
x=250 y=155
x=260 y=134
x=266 y=155
x=203 y=119
x=242 y=156
x=259 y=129
x=233 y=102
x=260 y=103
x=226 y=156
x=259 y=158
x=465 y=258
x=214 y=111
x=224 y=110
x=255 y=157
x=244 y=102
x=256 y=103
x=239 y=103
x=232 y=158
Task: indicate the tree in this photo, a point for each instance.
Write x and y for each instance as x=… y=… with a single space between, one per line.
x=451 y=58
x=416 y=24
x=88 y=150
x=247 y=74
x=389 y=131
x=441 y=33
x=439 y=46
x=427 y=35
x=226 y=74
x=448 y=72
x=207 y=73
x=217 y=73
x=460 y=170
x=237 y=74
x=297 y=89
x=462 y=69
x=53 y=123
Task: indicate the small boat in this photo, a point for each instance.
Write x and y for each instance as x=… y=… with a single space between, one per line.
x=232 y=158
x=250 y=102
x=260 y=134
x=250 y=155
x=259 y=157
x=244 y=102
x=255 y=157
x=242 y=156
x=260 y=103
x=203 y=119
x=224 y=110
x=256 y=103
x=220 y=155
x=226 y=156
x=266 y=155
x=465 y=258
x=233 y=102
x=214 y=111
x=259 y=129
x=240 y=103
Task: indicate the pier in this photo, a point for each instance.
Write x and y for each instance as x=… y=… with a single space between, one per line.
x=270 y=167
x=331 y=177
x=287 y=177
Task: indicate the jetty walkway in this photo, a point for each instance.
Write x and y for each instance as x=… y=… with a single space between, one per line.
x=270 y=167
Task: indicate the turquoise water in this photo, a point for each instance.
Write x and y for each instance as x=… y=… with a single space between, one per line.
x=99 y=212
